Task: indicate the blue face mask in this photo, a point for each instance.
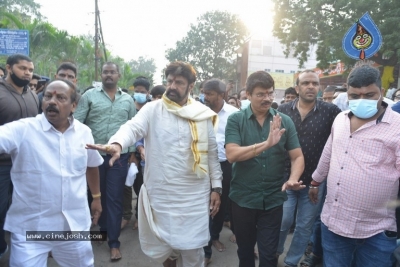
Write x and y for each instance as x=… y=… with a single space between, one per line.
x=201 y=97
x=140 y=98
x=364 y=108
x=244 y=103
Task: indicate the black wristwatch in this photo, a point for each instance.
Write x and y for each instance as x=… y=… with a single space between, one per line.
x=217 y=189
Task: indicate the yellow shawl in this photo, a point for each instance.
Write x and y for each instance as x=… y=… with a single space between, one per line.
x=197 y=115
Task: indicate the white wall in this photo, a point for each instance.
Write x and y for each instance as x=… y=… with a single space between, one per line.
x=268 y=54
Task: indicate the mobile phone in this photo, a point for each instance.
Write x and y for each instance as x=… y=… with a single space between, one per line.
x=41 y=83
x=390 y=233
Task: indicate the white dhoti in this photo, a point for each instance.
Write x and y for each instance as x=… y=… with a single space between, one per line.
x=153 y=234
x=35 y=253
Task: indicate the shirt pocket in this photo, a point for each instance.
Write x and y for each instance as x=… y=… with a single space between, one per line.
x=372 y=153
x=78 y=160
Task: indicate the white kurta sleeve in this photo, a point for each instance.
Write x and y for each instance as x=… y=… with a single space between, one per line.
x=134 y=129
x=213 y=163
x=11 y=135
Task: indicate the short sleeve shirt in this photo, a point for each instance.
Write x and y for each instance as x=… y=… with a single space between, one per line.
x=257 y=182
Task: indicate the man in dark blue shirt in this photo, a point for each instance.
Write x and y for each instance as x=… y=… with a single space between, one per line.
x=313 y=121
x=396 y=107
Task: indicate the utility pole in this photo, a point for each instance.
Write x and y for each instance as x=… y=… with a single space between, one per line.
x=98 y=34
x=96 y=42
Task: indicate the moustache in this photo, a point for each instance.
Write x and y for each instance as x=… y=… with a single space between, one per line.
x=52 y=108
x=266 y=103
x=172 y=91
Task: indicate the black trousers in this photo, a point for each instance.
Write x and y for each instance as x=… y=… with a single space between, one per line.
x=217 y=222
x=261 y=226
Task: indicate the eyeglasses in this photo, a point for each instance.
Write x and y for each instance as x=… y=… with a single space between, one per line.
x=112 y=72
x=262 y=95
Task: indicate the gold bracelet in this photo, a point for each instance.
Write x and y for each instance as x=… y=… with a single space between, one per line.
x=96 y=195
x=255 y=150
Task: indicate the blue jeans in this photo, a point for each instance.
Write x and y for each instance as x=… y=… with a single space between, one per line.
x=112 y=183
x=306 y=214
x=341 y=251
x=5 y=190
x=316 y=236
x=396 y=254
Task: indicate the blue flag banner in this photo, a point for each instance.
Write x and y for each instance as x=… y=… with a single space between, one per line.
x=363 y=39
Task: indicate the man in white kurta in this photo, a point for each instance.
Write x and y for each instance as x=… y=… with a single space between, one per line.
x=49 y=170
x=174 y=202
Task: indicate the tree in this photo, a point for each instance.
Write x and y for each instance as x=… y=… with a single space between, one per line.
x=146 y=66
x=49 y=47
x=211 y=44
x=23 y=8
x=301 y=23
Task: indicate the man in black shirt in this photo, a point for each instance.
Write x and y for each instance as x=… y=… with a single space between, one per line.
x=17 y=101
x=313 y=120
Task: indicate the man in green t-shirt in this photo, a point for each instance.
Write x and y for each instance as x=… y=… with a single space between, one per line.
x=258 y=139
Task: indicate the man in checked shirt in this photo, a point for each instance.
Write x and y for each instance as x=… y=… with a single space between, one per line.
x=361 y=161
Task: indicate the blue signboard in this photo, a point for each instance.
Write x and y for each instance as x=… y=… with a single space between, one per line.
x=14 y=41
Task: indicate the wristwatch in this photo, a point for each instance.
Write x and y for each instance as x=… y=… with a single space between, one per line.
x=217 y=189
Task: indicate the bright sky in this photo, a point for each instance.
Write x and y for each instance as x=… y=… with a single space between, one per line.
x=147 y=28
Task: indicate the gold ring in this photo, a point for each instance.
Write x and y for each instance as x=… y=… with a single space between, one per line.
x=107 y=148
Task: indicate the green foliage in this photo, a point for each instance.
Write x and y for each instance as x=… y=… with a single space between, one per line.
x=23 y=8
x=49 y=47
x=301 y=23
x=133 y=69
x=144 y=65
x=210 y=45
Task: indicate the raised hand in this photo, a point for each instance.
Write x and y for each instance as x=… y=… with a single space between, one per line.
x=275 y=131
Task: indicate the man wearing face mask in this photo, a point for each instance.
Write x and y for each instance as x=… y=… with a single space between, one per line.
x=244 y=102
x=361 y=161
x=141 y=95
x=16 y=101
x=201 y=95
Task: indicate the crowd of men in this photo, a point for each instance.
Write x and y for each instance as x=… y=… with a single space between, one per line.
x=328 y=163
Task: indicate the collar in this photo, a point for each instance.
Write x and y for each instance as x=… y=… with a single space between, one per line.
x=101 y=89
x=46 y=125
x=249 y=112
x=386 y=116
x=316 y=106
x=224 y=107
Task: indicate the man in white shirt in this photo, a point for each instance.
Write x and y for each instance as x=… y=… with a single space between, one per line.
x=214 y=91
x=182 y=177
x=50 y=170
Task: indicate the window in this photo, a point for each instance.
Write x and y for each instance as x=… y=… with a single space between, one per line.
x=292 y=71
x=267 y=70
x=279 y=71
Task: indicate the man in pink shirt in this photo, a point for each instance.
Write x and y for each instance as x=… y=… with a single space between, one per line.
x=361 y=161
